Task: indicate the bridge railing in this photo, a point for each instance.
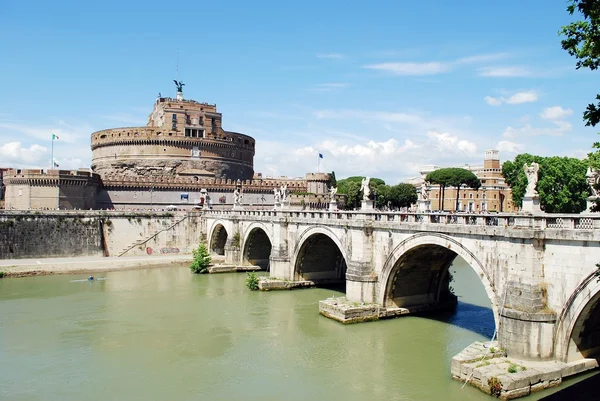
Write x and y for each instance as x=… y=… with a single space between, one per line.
x=538 y=221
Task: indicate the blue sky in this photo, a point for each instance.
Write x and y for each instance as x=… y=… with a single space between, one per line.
x=380 y=88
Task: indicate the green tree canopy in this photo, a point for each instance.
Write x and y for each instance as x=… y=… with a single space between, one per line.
x=452 y=177
x=403 y=195
x=351 y=188
x=561 y=182
x=582 y=40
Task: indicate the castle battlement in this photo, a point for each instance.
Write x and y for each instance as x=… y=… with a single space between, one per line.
x=193 y=183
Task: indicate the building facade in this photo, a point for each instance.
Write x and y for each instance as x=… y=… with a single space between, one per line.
x=51 y=189
x=493 y=196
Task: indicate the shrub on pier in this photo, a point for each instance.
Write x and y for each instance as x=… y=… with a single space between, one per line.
x=201 y=260
x=252 y=281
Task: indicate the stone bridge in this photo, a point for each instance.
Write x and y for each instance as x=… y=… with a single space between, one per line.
x=539 y=271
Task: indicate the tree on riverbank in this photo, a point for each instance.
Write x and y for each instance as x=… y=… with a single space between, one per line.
x=201 y=260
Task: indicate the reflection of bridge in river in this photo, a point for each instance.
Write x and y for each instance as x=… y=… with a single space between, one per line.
x=538 y=271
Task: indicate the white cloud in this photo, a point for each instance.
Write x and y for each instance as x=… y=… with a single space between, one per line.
x=14 y=154
x=331 y=56
x=445 y=142
x=555 y=113
x=430 y=68
x=528 y=130
x=510 y=147
x=522 y=97
x=517 y=98
x=494 y=101
x=390 y=158
x=514 y=71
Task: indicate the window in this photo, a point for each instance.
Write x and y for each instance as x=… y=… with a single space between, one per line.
x=174 y=117
x=471 y=196
x=494 y=196
x=188 y=132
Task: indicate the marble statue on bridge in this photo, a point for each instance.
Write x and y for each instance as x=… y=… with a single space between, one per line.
x=283 y=193
x=237 y=197
x=593 y=179
x=364 y=187
x=532 y=178
x=424 y=191
x=277 y=196
x=332 y=192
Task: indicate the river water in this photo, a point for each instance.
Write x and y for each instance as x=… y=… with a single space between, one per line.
x=165 y=334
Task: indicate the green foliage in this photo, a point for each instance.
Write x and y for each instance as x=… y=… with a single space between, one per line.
x=236 y=240
x=351 y=188
x=403 y=195
x=333 y=181
x=452 y=177
x=201 y=260
x=561 y=182
x=514 y=368
x=2 y=274
x=252 y=281
x=582 y=40
x=395 y=196
x=495 y=386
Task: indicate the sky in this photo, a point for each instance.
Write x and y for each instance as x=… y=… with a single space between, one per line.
x=381 y=89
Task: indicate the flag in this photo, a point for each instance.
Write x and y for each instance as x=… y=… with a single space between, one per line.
x=320 y=155
x=54 y=136
x=55 y=164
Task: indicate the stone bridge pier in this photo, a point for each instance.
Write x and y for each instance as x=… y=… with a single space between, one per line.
x=539 y=272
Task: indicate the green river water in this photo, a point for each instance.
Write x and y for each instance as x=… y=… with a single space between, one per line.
x=165 y=334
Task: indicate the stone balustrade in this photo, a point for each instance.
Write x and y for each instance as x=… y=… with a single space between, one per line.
x=516 y=221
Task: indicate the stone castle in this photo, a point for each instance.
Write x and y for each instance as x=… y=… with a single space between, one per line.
x=180 y=159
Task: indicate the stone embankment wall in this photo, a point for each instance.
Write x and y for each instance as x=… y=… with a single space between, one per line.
x=92 y=233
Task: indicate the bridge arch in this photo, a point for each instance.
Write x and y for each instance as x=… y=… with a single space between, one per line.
x=403 y=265
x=217 y=237
x=577 y=333
x=257 y=245
x=319 y=256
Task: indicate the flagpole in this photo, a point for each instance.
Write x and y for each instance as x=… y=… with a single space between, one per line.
x=318 y=163
x=52 y=154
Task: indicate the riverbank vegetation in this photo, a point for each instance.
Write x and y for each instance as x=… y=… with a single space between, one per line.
x=2 y=274
x=201 y=260
x=252 y=281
